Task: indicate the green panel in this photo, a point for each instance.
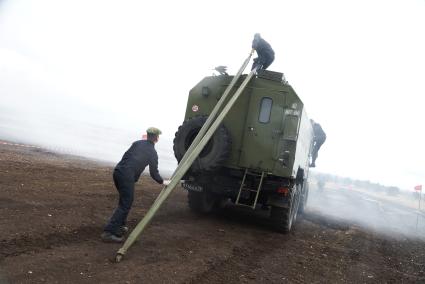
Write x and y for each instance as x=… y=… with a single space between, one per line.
x=255 y=145
x=259 y=139
x=234 y=121
x=290 y=127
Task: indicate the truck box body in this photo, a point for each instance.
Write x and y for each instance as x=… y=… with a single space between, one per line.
x=269 y=126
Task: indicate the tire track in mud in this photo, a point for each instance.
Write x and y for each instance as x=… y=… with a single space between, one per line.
x=240 y=266
x=28 y=243
x=398 y=266
x=245 y=261
x=3 y=278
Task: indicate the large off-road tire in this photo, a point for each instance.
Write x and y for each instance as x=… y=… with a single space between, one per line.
x=283 y=218
x=214 y=154
x=201 y=202
x=304 y=198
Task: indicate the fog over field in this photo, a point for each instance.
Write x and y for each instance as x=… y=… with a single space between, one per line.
x=53 y=125
x=376 y=213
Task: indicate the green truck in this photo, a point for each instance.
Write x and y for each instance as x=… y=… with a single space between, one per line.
x=260 y=153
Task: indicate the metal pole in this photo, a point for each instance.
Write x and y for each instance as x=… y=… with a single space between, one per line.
x=181 y=170
x=210 y=118
x=419 y=210
x=214 y=112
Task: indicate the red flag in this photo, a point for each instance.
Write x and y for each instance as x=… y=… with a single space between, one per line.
x=418 y=187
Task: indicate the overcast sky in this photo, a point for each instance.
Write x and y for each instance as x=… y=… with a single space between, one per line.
x=123 y=66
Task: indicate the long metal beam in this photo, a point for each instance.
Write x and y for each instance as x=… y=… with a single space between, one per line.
x=211 y=117
x=214 y=112
x=181 y=170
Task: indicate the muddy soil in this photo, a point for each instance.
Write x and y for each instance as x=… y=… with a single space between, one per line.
x=53 y=208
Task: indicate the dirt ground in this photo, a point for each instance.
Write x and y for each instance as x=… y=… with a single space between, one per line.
x=53 y=208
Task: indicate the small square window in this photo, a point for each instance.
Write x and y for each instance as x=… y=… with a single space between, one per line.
x=265 y=110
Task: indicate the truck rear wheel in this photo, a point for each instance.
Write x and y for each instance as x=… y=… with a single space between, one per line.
x=214 y=154
x=201 y=202
x=303 y=198
x=284 y=217
x=281 y=219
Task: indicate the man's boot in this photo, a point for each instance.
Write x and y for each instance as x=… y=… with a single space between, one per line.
x=108 y=237
x=123 y=230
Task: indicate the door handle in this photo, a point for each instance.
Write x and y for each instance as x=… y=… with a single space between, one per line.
x=277 y=132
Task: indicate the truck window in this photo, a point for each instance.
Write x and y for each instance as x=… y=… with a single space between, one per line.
x=265 y=110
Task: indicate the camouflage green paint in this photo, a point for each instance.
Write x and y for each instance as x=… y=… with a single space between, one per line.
x=279 y=147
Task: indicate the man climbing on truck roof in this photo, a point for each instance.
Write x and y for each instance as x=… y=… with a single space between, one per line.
x=318 y=140
x=126 y=173
x=264 y=51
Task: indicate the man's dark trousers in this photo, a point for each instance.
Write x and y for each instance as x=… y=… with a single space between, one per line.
x=262 y=62
x=125 y=186
x=316 y=148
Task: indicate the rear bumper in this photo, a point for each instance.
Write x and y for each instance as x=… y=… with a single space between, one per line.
x=230 y=189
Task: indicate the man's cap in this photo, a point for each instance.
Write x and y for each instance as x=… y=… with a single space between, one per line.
x=154 y=131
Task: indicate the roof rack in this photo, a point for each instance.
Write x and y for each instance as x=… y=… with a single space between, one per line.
x=272 y=76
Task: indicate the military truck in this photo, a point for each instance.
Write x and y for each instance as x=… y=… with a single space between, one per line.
x=258 y=156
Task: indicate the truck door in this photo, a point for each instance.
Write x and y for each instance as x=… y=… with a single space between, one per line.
x=258 y=141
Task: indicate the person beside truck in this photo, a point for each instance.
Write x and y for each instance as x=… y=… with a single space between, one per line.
x=318 y=140
x=126 y=173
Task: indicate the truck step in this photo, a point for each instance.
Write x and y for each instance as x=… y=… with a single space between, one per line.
x=256 y=190
x=250 y=189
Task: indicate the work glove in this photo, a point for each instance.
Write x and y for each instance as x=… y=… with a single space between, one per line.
x=166 y=182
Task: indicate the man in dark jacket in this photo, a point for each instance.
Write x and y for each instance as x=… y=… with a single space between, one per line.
x=318 y=140
x=126 y=173
x=264 y=51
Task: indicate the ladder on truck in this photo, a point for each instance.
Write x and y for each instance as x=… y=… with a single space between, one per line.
x=214 y=119
x=250 y=190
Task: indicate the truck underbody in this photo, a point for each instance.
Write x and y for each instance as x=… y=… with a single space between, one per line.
x=284 y=197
